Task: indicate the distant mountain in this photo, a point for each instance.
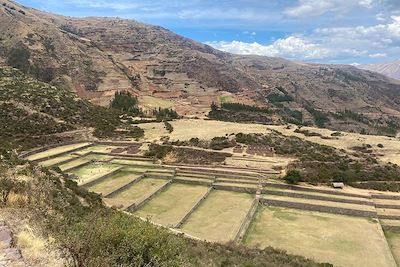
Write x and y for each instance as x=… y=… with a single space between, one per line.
x=97 y=56
x=390 y=69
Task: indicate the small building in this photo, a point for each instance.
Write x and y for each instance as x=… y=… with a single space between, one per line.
x=338 y=185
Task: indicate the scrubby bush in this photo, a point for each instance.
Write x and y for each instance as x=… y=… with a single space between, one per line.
x=168 y=127
x=293 y=177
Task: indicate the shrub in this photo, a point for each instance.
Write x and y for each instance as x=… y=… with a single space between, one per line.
x=136 y=132
x=293 y=177
x=168 y=127
x=158 y=151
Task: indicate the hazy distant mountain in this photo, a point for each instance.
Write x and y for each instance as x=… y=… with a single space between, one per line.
x=390 y=69
x=97 y=56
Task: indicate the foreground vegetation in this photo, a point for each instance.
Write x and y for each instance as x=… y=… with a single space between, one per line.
x=89 y=234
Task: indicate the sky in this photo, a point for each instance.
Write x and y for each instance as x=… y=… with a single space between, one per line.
x=323 y=31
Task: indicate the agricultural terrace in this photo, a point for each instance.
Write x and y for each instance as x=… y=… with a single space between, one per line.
x=231 y=203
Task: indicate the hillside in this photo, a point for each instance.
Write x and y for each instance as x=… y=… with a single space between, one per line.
x=390 y=69
x=97 y=56
x=35 y=113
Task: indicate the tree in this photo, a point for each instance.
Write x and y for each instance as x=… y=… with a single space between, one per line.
x=293 y=177
x=19 y=58
x=125 y=102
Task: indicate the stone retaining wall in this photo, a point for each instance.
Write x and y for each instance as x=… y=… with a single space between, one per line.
x=312 y=207
x=389 y=217
x=395 y=228
x=62 y=153
x=316 y=197
x=117 y=143
x=390 y=197
x=124 y=187
x=78 y=166
x=299 y=188
x=133 y=157
x=190 y=182
x=30 y=152
x=387 y=206
x=224 y=180
x=136 y=206
x=218 y=172
x=101 y=178
x=246 y=222
x=238 y=189
x=184 y=218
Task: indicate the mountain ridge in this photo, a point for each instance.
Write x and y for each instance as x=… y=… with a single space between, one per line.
x=98 y=56
x=390 y=69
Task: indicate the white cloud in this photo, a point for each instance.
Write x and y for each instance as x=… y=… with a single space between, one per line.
x=307 y=8
x=378 y=55
x=291 y=47
x=347 y=43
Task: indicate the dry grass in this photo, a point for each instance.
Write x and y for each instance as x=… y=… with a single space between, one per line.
x=114 y=182
x=341 y=240
x=219 y=216
x=36 y=250
x=171 y=205
x=72 y=164
x=321 y=203
x=136 y=193
x=93 y=171
x=57 y=160
x=98 y=148
x=55 y=151
x=393 y=239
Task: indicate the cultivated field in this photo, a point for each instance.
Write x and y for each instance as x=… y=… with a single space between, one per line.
x=93 y=171
x=72 y=164
x=57 y=160
x=136 y=193
x=114 y=182
x=170 y=206
x=219 y=217
x=341 y=240
x=56 y=151
x=394 y=242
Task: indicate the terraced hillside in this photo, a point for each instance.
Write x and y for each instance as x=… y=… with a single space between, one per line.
x=246 y=206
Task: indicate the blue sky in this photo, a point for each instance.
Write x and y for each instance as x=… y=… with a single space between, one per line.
x=327 y=31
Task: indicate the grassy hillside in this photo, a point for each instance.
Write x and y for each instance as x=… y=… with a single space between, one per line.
x=33 y=113
x=89 y=234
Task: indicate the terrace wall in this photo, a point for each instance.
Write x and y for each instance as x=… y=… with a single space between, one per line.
x=100 y=179
x=316 y=197
x=299 y=188
x=124 y=187
x=184 y=218
x=248 y=190
x=136 y=206
x=247 y=220
x=30 y=152
x=312 y=207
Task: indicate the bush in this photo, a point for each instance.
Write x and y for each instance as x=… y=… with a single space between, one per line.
x=293 y=177
x=168 y=127
x=136 y=132
x=19 y=58
x=158 y=151
x=165 y=114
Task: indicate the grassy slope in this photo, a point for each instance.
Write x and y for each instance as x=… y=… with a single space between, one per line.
x=32 y=112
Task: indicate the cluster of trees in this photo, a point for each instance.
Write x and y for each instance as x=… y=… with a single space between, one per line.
x=165 y=114
x=125 y=102
x=239 y=107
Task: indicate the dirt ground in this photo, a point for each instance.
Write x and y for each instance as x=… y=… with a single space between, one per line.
x=341 y=240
